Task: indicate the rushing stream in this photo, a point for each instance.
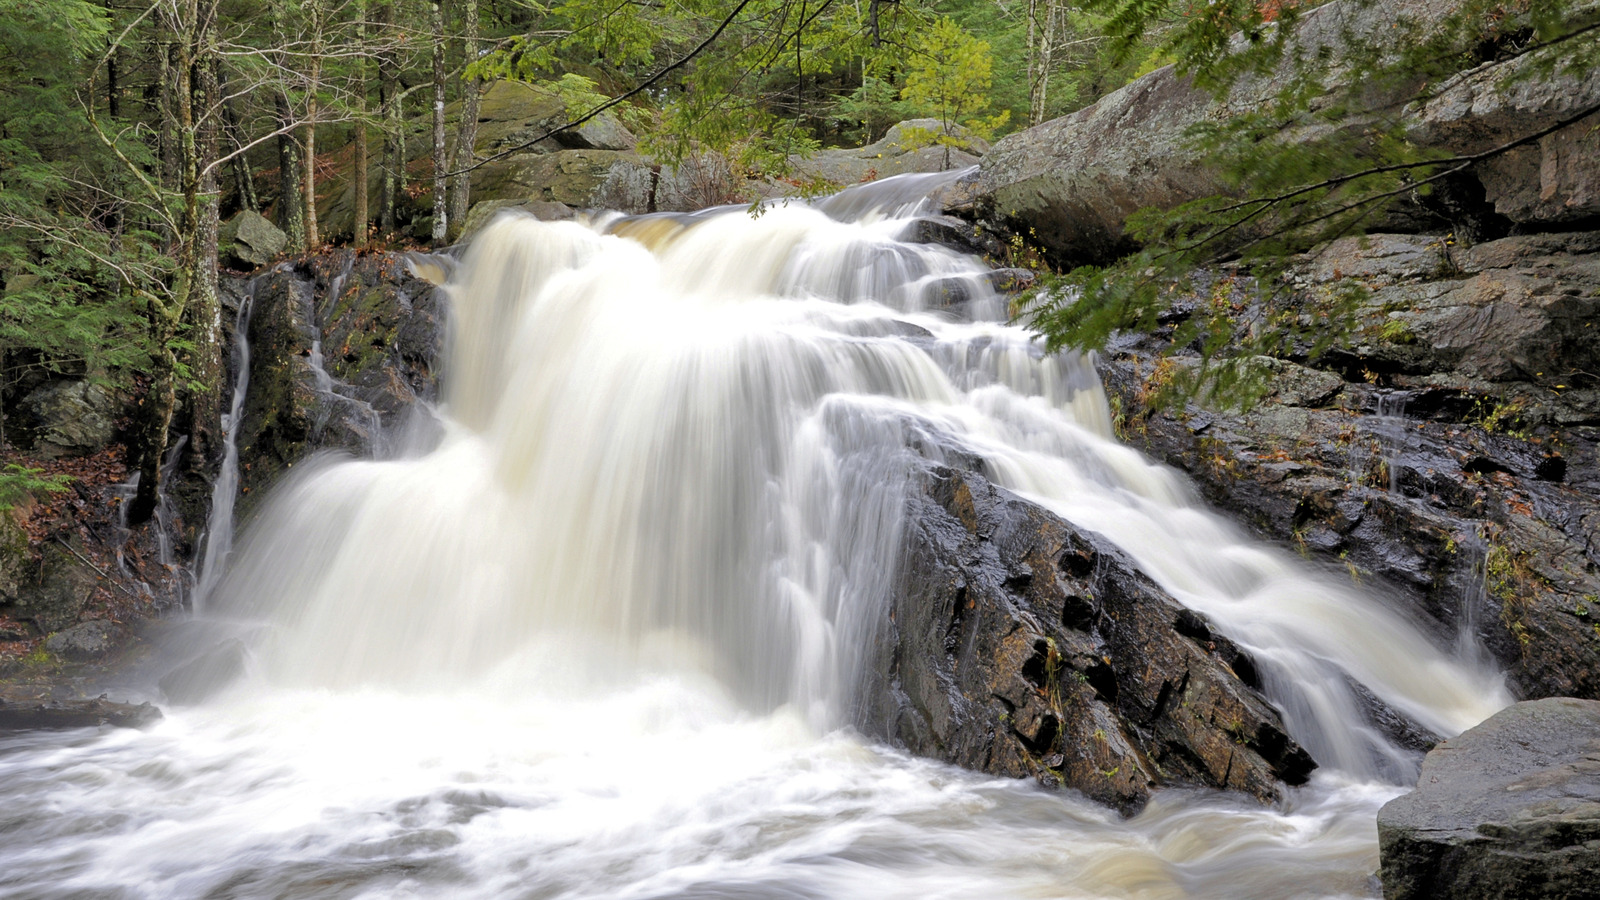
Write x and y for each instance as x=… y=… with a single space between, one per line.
x=602 y=637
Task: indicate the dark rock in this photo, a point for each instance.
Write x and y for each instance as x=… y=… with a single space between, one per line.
x=1020 y=645
x=1509 y=809
x=76 y=714
x=71 y=418
x=957 y=234
x=86 y=640
x=342 y=348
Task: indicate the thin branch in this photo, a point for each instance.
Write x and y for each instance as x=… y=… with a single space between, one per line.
x=1460 y=163
x=574 y=123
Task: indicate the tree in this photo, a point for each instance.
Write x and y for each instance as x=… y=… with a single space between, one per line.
x=948 y=76
x=1328 y=156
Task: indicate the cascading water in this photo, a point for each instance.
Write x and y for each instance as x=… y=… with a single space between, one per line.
x=218 y=539
x=599 y=639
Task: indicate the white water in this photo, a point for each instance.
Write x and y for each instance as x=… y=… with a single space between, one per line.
x=218 y=538
x=600 y=640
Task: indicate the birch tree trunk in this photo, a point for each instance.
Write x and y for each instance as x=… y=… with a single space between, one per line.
x=308 y=142
x=441 y=213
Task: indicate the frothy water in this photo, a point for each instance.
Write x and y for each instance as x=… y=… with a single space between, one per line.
x=603 y=637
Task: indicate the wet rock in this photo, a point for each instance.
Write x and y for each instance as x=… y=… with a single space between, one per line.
x=1441 y=465
x=249 y=240
x=86 y=640
x=1023 y=646
x=71 y=418
x=343 y=346
x=1509 y=809
x=957 y=234
x=76 y=714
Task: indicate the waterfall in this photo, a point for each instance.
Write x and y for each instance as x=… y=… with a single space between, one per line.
x=218 y=537
x=603 y=637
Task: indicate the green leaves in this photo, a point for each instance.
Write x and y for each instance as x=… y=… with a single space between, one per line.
x=948 y=77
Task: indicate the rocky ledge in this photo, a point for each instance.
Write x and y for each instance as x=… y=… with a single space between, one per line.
x=1445 y=455
x=1507 y=810
x=76 y=714
x=1023 y=646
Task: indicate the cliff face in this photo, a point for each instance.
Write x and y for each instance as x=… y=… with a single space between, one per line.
x=1071 y=184
x=1020 y=645
x=1445 y=454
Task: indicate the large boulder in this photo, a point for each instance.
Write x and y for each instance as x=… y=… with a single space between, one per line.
x=1020 y=645
x=1071 y=183
x=86 y=640
x=906 y=148
x=511 y=114
x=71 y=418
x=249 y=240
x=57 y=589
x=581 y=179
x=1509 y=810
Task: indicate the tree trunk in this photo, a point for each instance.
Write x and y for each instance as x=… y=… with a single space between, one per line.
x=113 y=89
x=467 y=134
x=291 y=214
x=203 y=311
x=441 y=214
x=308 y=142
x=389 y=110
x=243 y=181
x=166 y=313
x=167 y=138
x=359 y=213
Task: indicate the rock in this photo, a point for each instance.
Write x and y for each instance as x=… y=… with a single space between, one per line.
x=1509 y=809
x=57 y=592
x=76 y=714
x=511 y=113
x=86 y=640
x=482 y=212
x=377 y=330
x=907 y=147
x=71 y=418
x=957 y=234
x=1445 y=455
x=1071 y=183
x=1379 y=260
x=1553 y=181
x=571 y=177
x=1020 y=645
x=249 y=240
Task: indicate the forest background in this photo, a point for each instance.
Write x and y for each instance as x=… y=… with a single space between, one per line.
x=129 y=132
